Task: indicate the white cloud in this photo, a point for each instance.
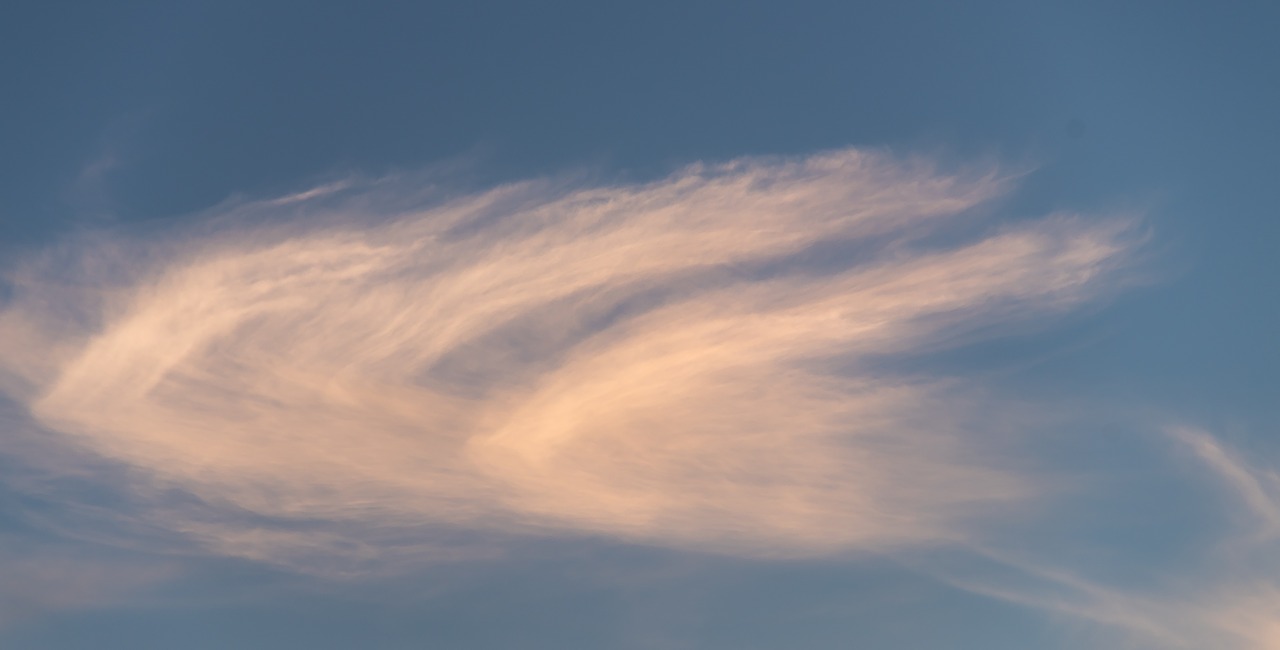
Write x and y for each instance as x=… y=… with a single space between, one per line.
x=654 y=362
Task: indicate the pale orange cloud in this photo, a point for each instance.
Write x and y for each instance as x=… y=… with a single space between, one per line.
x=655 y=362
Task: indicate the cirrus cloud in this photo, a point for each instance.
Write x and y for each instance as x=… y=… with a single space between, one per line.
x=686 y=362
x=1226 y=595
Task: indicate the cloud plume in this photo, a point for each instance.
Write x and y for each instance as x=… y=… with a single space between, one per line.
x=685 y=362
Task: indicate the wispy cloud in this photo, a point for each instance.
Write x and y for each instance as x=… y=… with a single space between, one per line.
x=1226 y=597
x=684 y=362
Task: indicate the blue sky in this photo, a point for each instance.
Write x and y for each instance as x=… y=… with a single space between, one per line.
x=661 y=325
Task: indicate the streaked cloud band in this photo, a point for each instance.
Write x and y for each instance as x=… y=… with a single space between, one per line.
x=681 y=363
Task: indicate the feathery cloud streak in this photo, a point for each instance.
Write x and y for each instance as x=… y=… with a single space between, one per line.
x=1227 y=597
x=679 y=363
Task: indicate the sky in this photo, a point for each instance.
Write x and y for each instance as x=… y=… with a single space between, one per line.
x=628 y=326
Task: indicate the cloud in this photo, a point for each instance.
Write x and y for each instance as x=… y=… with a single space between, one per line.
x=1256 y=489
x=1226 y=597
x=692 y=362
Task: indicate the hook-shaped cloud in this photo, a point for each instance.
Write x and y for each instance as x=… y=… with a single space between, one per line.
x=679 y=363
